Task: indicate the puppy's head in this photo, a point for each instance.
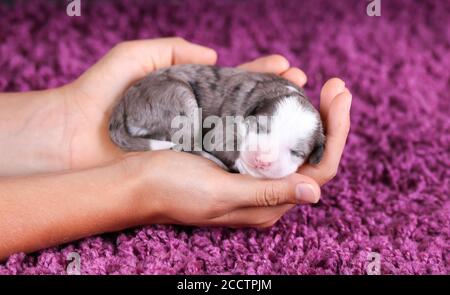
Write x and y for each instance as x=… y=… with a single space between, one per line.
x=279 y=136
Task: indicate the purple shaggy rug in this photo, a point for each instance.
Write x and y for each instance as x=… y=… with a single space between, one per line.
x=391 y=194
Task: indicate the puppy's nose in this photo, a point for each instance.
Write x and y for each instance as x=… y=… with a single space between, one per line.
x=262 y=164
x=262 y=159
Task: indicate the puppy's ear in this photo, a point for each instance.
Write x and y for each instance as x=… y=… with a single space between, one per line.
x=319 y=147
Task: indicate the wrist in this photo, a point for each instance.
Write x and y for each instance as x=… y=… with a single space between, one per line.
x=32 y=138
x=140 y=203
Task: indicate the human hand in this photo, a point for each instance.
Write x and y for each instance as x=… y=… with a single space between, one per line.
x=182 y=188
x=335 y=103
x=89 y=100
x=204 y=194
x=131 y=61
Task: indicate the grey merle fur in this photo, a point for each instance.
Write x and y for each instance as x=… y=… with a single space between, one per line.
x=152 y=103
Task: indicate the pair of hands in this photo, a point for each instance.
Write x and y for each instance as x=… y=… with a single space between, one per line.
x=179 y=187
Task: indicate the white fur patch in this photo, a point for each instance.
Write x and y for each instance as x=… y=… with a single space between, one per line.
x=292 y=125
x=292 y=121
x=156 y=145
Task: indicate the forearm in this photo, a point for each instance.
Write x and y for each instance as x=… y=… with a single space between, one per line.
x=32 y=131
x=45 y=210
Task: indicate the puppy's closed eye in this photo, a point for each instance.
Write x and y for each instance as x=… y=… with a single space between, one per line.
x=297 y=154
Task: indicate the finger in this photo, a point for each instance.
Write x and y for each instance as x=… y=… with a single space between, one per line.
x=338 y=126
x=275 y=64
x=295 y=75
x=246 y=191
x=151 y=55
x=132 y=60
x=252 y=217
x=330 y=90
x=173 y=51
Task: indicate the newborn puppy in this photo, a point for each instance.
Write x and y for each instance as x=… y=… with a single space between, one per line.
x=277 y=129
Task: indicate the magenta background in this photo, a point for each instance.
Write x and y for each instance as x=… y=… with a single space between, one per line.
x=391 y=193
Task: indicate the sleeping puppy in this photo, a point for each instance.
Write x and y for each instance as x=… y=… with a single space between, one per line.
x=254 y=123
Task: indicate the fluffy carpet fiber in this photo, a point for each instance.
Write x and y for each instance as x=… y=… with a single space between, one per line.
x=391 y=194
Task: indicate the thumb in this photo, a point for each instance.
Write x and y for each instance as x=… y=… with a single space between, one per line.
x=293 y=189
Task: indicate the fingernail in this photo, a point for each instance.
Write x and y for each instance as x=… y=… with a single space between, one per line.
x=304 y=192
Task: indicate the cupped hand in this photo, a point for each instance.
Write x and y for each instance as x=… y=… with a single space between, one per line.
x=182 y=188
x=89 y=99
x=193 y=190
